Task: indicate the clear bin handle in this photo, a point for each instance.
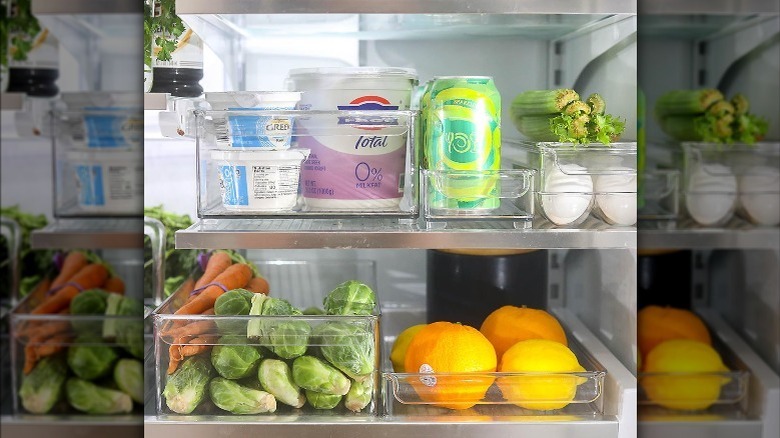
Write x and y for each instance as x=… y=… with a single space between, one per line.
x=156 y=232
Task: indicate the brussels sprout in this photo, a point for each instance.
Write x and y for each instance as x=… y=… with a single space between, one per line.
x=92 y=399
x=89 y=359
x=276 y=378
x=234 y=302
x=315 y=375
x=130 y=331
x=318 y=400
x=236 y=399
x=112 y=307
x=129 y=377
x=186 y=388
x=233 y=358
x=348 y=347
x=42 y=388
x=359 y=395
x=288 y=338
x=350 y=298
x=89 y=302
x=313 y=311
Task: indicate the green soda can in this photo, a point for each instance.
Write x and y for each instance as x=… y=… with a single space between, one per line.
x=462 y=131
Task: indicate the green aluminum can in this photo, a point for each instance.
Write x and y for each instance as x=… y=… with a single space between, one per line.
x=461 y=128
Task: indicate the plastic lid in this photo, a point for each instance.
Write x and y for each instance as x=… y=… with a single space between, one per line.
x=263 y=155
x=252 y=99
x=395 y=72
x=102 y=99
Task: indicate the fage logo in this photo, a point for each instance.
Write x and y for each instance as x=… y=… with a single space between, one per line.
x=368 y=103
x=365 y=103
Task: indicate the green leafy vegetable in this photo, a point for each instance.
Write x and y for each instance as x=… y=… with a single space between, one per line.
x=316 y=375
x=288 y=338
x=130 y=328
x=42 y=388
x=236 y=399
x=234 y=302
x=276 y=378
x=359 y=395
x=233 y=358
x=350 y=298
x=89 y=302
x=179 y=263
x=129 y=377
x=92 y=399
x=348 y=346
x=89 y=358
x=318 y=400
x=186 y=388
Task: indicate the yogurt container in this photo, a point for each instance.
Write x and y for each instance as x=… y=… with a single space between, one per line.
x=108 y=121
x=353 y=168
x=259 y=180
x=108 y=182
x=266 y=132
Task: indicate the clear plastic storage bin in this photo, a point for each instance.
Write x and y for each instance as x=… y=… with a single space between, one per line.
x=508 y=394
x=99 y=162
x=659 y=197
x=327 y=163
x=453 y=198
x=721 y=179
x=282 y=341
x=66 y=364
x=11 y=234
x=576 y=181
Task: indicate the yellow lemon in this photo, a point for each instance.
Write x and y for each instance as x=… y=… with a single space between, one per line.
x=683 y=374
x=401 y=344
x=540 y=392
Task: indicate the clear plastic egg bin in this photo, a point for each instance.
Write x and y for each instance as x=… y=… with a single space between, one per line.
x=98 y=162
x=304 y=163
x=574 y=181
x=659 y=193
x=469 y=199
x=719 y=180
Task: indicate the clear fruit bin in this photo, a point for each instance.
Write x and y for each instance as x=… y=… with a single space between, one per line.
x=80 y=361
x=11 y=234
x=719 y=180
x=575 y=181
x=98 y=162
x=281 y=343
x=529 y=394
x=659 y=196
x=302 y=163
x=460 y=198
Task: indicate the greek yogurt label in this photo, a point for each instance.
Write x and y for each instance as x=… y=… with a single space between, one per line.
x=263 y=132
x=89 y=180
x=111 y=131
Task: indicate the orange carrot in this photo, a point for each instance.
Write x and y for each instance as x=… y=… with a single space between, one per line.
x=234 y=277
x=196 y=346
x=115 y=284
x=89 y=277
x=218 y=262
x=74 y=262
x=258 y=285
x=192 y=330
x=48 y=347
x=47 y=329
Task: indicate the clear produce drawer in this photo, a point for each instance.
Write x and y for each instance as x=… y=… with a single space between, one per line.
x=279 y=365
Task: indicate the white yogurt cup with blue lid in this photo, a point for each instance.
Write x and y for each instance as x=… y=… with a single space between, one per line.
x=248 y=131
x=262 y=181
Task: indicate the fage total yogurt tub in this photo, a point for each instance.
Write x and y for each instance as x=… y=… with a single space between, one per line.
x=351 y=167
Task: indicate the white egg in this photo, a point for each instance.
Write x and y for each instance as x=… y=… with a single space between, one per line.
x=616 y=197
x=711 y=194
x=568 y=194
x=759 y=195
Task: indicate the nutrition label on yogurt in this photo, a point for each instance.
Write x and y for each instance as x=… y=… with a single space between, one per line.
x=271 y=182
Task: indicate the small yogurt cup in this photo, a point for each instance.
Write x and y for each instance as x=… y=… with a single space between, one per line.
x=261 y=181
x=108 y=182
x=110 y=120
x=245 y=130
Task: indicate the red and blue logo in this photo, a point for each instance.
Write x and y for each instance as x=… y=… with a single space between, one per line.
x=368 y=103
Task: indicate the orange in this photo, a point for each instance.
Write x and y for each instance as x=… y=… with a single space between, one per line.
x=538 y=390
x=509 y=325
x=657 y=324
x=444 y=347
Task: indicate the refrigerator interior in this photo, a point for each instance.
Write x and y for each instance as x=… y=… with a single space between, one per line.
x=590 y=290
x=728 y=274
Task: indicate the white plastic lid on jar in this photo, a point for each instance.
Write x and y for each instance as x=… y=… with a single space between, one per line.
x=290 y=156
x=252 y=99
x=102 y=99
x=352 y=77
